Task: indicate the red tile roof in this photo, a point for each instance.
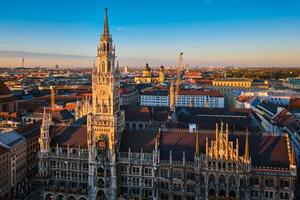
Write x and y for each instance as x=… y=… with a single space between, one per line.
x=133 y=113
x=72 y=136
x=265 y=151
x=137 y=140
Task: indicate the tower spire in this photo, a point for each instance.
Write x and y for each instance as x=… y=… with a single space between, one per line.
x=106 y=29
x=247 y=145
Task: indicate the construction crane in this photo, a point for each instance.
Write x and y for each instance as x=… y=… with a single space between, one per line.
x=173 y=94
x=52 y=99
x=178 y=77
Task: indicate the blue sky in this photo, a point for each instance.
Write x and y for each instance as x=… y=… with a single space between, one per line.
x=210 y=32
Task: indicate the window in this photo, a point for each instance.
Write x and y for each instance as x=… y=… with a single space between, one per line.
x=147 y=171
x=133 y=126
x=164 y=185
x=124 y=180
x=135 y=191
x=266 y=194
x=135 y=170
x=140 y=126
x=148 y=182
x=176 y=187
x=164 y=173
x=164 y=196
x=190 y=197
x=190 y=188
x=123 y=169
x=177 y=174
x=190 y=175
x=147 y=193
x=108 y=65
x=103 y=66
x=177 y=197
x=135 y=181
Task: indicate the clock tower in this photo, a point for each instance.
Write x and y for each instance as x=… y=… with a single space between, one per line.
x=106 y=122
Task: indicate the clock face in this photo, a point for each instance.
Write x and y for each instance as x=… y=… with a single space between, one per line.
x=101 y=145
x=102 y=92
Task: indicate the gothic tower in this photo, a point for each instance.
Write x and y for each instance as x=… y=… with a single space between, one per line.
x=106 y=121
x=44 y=141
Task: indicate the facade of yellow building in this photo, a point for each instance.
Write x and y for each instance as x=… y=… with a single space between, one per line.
x=148 y=77
x=233 y=82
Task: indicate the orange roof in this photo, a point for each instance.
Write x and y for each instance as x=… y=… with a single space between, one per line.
x=193 y=73
x=243 y=98
x=70 y=106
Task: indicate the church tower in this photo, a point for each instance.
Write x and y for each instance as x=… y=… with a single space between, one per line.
x=44 y=141
x=106 y=122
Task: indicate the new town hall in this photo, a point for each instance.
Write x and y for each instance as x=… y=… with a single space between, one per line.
x=97 y=157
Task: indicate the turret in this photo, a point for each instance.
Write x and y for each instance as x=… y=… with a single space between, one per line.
x=247 y=145
x=45 y=139
x=161 y=74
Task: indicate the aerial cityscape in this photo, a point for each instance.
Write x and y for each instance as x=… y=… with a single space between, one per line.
x=175 y=125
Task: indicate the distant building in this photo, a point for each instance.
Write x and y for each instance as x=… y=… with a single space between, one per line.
x=59 y=116
x=243 y=99
x=186 y=98
x=155 y=97
x=293 y=83
x=200 y=98
x=148 y=77
x=7 y=100
x=138 y=118
x=14 y=152
x=193 y=76
x=227 y=84
x=128 y=95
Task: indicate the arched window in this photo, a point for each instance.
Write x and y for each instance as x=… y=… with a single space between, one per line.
x=231 y=181
x=103 y=47
x=100 y=171
x=211 y=179
x=103 y=66
x=60 y=197
x=232 y=195
x=107 y=46
x=101 y=183
x=108 y=66
x=49 y=196
x=222 y=180
x=100 y=195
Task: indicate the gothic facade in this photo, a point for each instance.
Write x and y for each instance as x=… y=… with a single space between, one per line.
x=95 y=158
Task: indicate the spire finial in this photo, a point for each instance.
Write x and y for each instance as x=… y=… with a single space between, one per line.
x=118 y=67
x=247 y=145
x=106 y=30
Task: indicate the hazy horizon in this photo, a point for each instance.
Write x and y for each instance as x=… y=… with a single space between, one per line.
x=209 y=32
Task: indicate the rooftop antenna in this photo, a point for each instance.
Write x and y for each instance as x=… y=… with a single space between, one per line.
x=23 y=61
